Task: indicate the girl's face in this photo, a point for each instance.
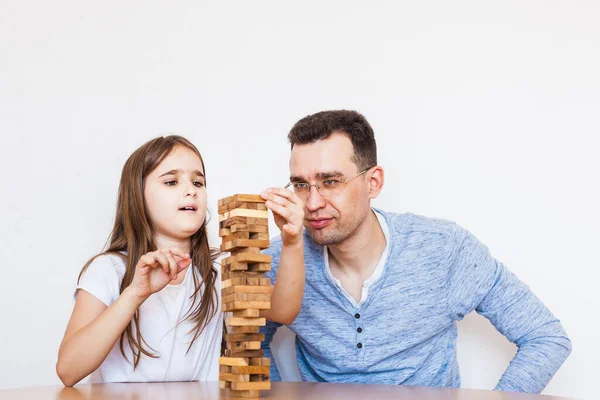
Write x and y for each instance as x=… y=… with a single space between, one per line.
x=175 y=195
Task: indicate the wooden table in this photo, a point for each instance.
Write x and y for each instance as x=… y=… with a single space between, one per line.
x=280 y=391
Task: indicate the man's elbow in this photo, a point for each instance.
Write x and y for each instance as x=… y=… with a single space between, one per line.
x=568 y=346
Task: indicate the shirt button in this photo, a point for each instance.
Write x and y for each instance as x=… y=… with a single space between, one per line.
x=359 y=330
x=359 y=345
x=357 y=315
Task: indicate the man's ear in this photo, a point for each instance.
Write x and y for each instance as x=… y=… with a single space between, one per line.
x=375 y=178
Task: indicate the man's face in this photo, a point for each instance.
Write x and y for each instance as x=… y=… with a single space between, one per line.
x=332 y=218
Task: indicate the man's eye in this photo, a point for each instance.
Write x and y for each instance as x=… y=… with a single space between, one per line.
x=171 y=183
x=198 y=184
x=301 y=185
x=330 y=182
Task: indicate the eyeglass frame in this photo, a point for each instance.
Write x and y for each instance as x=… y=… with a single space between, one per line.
x=318 y=187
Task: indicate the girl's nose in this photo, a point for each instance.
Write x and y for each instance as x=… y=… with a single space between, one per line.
x=190 y=190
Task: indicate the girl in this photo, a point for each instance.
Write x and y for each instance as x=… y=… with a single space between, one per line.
x=148 y=308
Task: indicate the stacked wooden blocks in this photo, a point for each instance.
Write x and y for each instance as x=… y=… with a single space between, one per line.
x=244 y=231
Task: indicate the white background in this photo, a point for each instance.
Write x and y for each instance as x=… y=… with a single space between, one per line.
x=485 y=113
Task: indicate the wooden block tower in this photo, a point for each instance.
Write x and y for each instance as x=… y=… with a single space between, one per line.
x=244 y=231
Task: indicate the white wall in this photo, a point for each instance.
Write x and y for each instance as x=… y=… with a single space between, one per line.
x=485 y=113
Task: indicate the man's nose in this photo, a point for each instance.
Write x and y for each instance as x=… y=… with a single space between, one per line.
x=315 y=199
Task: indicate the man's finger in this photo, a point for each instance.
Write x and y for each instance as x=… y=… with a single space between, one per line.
x=271 y=193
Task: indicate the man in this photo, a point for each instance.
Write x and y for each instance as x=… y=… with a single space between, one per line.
x=384 y=291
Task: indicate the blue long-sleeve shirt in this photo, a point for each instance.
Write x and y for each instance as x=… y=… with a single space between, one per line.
x=405 y=331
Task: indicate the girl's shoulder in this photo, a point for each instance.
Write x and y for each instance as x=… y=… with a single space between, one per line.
x=113 y=262
x=103 y=276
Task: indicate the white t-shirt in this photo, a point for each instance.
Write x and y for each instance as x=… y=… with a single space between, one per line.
x=378 y=269
x=159 y=316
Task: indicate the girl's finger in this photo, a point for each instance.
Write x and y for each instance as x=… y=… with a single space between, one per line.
x=178 y=252
x=146 y=260
x=183 y=264
x=172 y=263
x=162 y=260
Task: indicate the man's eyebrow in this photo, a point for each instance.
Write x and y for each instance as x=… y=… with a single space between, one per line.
x=178 y=171
x=319 y=175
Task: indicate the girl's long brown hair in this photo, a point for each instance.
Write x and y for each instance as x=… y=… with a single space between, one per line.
x=132 y=234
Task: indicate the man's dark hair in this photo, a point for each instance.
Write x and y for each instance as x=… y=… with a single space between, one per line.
x=323 y=124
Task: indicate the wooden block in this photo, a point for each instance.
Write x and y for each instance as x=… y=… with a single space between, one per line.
x=262 y=221
x=232 y=221
x=233 y=361
x=242 y=305
x=251 y=385
x=245 y=330
x=248 y=257
x=244 y=353
x=243 y=243
x=240 y=212
x=225 y=231
x=258 y=236
x=246 y=297
x=259 y=377
x=236 y=321
x=225 y=368
x=223 y=376
x=243 y=394
x=261 y=207
x=241 y=250
x=247 y=313
x=244 y=337
x=260 y=282
x=249 y=198
x=227 y=283
x=237 y=235
x=241 y=337
x=250 y=221
x=242 y=288
x=260 y=361
x=258 y=267
x=247 y=281
x=251 y=370
x=248 y=228
x=243 y=345
x=237 y=204
x=222 y=209
x=226 y=274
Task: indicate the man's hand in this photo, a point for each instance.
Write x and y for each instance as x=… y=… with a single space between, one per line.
x=288 y=211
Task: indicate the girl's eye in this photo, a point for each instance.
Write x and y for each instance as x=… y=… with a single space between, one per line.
x=171 y=183
x=198 y=184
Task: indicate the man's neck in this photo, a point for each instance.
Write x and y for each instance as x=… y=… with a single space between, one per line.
x=359 y=254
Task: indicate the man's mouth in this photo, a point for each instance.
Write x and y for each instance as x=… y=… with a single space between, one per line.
x=318 y=223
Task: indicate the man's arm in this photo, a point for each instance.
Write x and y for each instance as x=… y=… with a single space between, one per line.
x=476 y=281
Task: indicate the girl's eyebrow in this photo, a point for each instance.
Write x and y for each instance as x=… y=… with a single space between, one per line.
x=178 y=171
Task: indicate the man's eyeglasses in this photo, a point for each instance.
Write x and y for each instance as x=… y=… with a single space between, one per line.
x=325 y=187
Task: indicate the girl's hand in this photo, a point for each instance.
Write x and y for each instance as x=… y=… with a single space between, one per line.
x=156 y=269
x=288 y=211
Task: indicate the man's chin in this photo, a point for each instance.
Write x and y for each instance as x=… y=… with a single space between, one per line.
x=323 y=238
